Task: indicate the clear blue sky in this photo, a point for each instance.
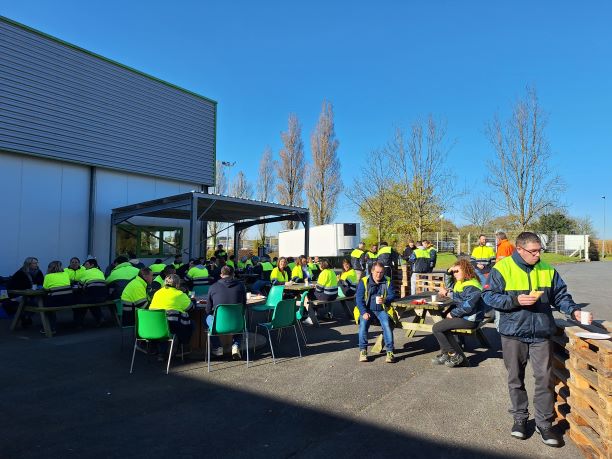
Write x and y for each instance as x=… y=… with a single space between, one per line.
x=381 y=64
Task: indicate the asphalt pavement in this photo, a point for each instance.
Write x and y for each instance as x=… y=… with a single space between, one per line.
x=72 y=397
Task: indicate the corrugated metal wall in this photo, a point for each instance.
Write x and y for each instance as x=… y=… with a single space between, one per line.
x=63 y=103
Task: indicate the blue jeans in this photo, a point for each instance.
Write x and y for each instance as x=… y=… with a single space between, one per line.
x=214 y=339
x=364 y=325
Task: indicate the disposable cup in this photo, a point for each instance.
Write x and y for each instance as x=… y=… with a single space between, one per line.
x=249 y=295
x=586 y=317
x=434 y=298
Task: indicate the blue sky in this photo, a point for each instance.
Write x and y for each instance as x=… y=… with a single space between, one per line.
x=381 y=65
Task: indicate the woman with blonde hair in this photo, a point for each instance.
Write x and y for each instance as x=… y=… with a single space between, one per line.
x=466 y=312
x=59 y=289
x=177 y=305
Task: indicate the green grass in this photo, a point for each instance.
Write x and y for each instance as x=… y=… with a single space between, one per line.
x=446 y=260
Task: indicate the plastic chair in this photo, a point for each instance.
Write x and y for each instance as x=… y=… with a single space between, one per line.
x=151 y=325
x=283 y=317
x=228 y=319
x=275 y=295
x=300 y=313
x=201 y=290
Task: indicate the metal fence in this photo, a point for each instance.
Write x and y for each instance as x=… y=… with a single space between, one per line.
x=463 y=243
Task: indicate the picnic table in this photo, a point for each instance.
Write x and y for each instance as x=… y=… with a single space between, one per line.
x=23 y=295
x=408 y=305
x=298 y=288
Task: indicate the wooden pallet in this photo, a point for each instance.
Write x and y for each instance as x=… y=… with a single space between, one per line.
x=589 y=366
x=428 y=282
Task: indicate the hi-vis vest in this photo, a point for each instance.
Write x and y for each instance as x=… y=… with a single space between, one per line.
x=278 y=276
x=518 y=281
x=327 y=282
x=460 y=285
x=393 y=315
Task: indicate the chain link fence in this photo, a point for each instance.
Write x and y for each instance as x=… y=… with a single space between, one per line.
x=572 y=245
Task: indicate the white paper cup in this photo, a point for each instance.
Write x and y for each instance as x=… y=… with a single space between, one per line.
x=306 y=282
x=249 y=295
x=378 y=299
x=34 y=287
x=434 y=298
x=586 y=317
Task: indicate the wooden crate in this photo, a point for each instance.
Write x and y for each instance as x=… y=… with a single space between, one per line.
x=589 y=366
x=427 y=282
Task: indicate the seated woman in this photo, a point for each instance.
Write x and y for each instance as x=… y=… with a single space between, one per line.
x=280 y=274
x=301 y=271
x=177 y=305
x=24 y=279
x=326 y=289
x=59 y=290
x=466 y=312
x=158 y=282
x=348 y=279
x=94 y=290
x=74 y=270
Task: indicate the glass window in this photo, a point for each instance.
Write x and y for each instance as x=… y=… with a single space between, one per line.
x=148 y=241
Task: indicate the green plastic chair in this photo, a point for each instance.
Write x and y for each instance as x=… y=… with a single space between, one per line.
x=201 y=290
x=228 y=319
x=283 y=317
x=274 y=296
x=152 y=325
x=301 y=313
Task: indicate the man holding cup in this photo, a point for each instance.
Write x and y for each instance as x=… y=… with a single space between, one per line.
x=374 y=294
x=523 y=288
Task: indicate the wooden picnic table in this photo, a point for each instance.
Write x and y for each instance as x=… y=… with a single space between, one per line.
x=405 y=308
x=296 y=287
x=23 y=295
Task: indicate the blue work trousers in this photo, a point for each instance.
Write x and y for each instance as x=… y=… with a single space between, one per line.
x=364 y=326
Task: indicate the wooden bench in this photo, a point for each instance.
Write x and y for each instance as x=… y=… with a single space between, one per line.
x=343 y=301
x=43 y=310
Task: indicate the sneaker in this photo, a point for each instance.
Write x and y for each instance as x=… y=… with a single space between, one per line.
x=217 y=351
x=236 y=352
x=308 y=321
x=519 y=429
x=440 y=358
x=363 y=356
x=454 y=360
x=549 y=436
x=390 y=357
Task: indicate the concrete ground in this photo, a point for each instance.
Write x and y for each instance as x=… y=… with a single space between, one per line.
x=73 y=397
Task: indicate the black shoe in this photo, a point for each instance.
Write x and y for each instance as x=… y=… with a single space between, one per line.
x=519 y=429
x=455 y=360
x=549 y=436
x=440 y=358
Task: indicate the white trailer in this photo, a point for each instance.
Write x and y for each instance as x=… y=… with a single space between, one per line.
x=333 y=240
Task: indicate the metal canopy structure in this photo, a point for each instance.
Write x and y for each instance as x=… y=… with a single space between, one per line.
x=204 y=207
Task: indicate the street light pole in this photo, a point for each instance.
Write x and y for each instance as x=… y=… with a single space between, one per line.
x=603 y=238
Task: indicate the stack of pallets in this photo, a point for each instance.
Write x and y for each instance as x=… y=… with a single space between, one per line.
x=589 y=364
x=560 y=377
x=428 y=282
x=401 y=280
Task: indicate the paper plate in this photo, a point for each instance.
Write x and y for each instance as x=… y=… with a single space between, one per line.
x=436 y=302
x=590 y=335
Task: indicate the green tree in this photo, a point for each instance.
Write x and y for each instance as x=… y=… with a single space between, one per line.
x=556 y=221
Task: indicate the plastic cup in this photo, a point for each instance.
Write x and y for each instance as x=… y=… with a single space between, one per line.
x=34 y=287
x=249 y=295
x=434 y=298
x=378 y=299
x=586 y=317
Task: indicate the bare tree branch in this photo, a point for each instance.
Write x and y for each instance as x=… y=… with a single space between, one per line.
x=265 y=186
x=290 y=168
x=324 y=183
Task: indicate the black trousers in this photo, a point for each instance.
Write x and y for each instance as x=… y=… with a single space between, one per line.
x=516 y=354
x=442 y=332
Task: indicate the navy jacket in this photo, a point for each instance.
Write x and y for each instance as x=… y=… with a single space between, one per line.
x=225 y=291
x=374 y=289
x=528 y=324
x=468 y=304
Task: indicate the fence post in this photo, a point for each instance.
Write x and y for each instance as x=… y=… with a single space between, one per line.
x=586 y=248
x=458 y=243
x=438 y=241
x=556 y=242
x=469 y=243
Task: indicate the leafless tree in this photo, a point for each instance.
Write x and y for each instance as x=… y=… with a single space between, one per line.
x=220 y=188
x=371 y=197
x=265 y=186
x=418 y=164
x=324 y=183
x=521 y=172
x=584 y=225
x=479 y=212
x=241 y=188
x=290 y=167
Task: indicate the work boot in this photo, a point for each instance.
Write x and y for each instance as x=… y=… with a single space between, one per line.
x=363 y=356
x=549 y=436
x=440 y=358
x=519 y=429
x=390 y=357
x=455 y=360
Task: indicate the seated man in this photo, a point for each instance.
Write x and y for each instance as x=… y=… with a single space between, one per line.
x=226 y=291
x=25 y=278
x=177 y=305
x=157 y=267
x=135 y=295
x=94 y=291
x=374 y=292
x=197 y=274
x=121 y=274
x=263 y=269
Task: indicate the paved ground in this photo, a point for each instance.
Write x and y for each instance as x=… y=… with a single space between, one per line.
x=72 y=397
